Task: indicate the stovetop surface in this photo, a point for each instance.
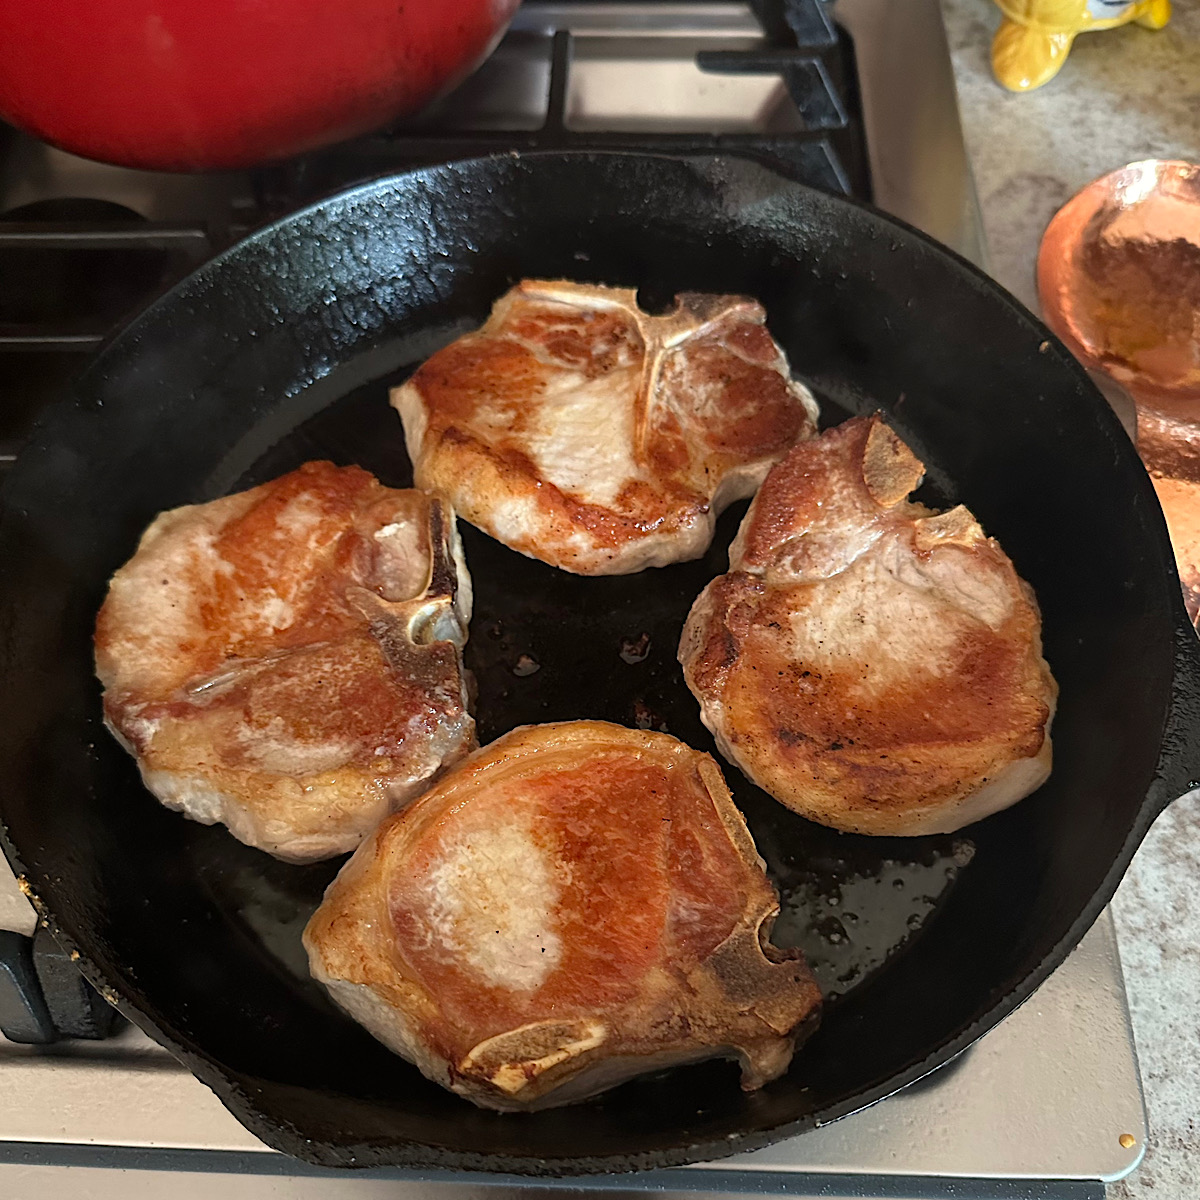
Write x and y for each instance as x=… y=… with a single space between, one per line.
x=1051 y=1094
x=865 y=107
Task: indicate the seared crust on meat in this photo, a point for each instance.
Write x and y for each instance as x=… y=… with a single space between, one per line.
x=582 y=431
x=573 y=905
x=872 y=664
x=288 y=660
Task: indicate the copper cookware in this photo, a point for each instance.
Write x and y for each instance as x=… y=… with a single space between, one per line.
x=1119 y=280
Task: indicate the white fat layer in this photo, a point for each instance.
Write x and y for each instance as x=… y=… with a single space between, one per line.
x=491 y=899
x=197 y=798
x=410 y=404
x=465 y=597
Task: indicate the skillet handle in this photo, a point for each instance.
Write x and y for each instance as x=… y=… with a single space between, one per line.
x=1178 y=770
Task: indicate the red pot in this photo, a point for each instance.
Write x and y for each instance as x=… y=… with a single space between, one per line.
x=203 y=84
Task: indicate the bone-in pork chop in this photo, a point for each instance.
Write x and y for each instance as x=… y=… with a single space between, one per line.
x=573 y=905
x=582 y=431
x=287 y=660
x=872 y=664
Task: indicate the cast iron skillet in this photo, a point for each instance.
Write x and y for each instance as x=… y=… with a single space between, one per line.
x=280 y=351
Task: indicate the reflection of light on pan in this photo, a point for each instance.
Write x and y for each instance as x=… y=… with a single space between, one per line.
x=849 y=924
x=1145 y=177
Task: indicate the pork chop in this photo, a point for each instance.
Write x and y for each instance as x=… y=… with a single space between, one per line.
x=580 y=430
x=288 y=660
x=573 y=905
x=873 y=664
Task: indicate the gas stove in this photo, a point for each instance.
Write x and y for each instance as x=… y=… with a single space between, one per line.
x=856 y=98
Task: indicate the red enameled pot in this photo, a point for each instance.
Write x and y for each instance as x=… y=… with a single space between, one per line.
x=212 y=84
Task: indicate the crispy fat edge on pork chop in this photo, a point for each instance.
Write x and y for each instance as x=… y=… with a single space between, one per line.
x=287 y=661
x=872 y=664
x=579 y=430
x=571 y=906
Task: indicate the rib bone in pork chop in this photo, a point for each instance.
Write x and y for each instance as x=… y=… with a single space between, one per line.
x=571 y=906
x=582 y=431
x=287 y=660
x=872 y=664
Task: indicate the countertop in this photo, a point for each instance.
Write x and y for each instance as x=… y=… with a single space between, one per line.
x=1123 y=95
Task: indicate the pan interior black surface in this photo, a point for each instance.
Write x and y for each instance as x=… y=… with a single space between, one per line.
x=282 y=351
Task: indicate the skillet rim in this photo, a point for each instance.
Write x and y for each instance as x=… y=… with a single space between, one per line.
x=231 y=1087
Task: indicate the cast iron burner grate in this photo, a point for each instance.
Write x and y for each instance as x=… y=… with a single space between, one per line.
x=798 y=43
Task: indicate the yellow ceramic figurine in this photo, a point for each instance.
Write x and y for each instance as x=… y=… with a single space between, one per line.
x=1035 y=37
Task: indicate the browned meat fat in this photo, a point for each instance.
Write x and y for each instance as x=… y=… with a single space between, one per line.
x=287 y=660
x=582 y=431
x=573 y=905
x=872 y=664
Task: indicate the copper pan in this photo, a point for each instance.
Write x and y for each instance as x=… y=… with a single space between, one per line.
x=1119 y=280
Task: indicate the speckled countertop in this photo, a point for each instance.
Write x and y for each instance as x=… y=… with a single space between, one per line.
x=1123 y=95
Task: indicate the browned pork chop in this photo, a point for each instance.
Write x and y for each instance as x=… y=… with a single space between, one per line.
x=872 y=664
x=287 y=660
x=582 y=431
x=573 y=905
